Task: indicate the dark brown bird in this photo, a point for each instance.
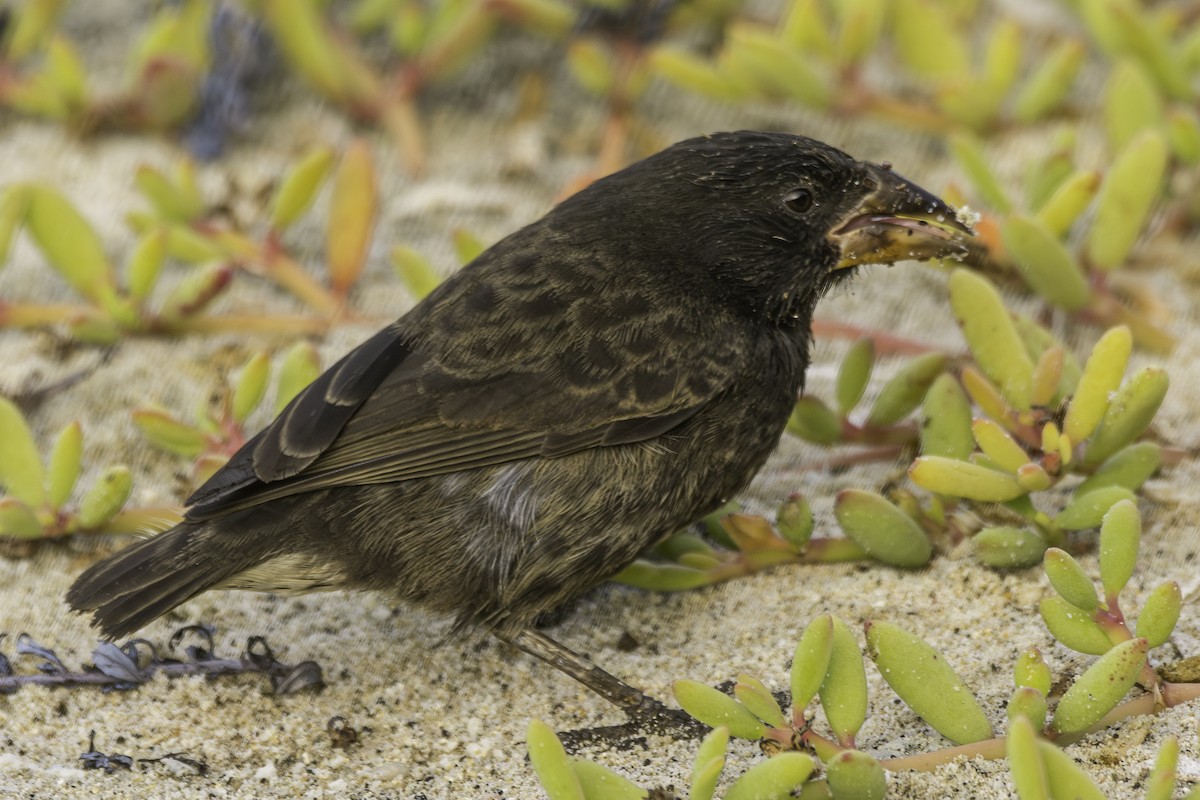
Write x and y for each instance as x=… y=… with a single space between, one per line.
x=584 y=388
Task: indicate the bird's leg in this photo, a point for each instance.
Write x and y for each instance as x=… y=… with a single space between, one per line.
x=640 y=707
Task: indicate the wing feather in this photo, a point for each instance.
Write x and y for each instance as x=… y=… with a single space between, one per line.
x=466 y=380
x=310 y=423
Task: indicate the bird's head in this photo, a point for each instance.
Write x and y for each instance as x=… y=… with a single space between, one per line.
x=773 y=220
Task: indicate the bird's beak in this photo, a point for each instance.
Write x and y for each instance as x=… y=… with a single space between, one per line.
x=900 y=221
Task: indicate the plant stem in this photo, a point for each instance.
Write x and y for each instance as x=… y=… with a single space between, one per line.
x=891 y=435
x=281 y=325
x=1107 y=309
x=1172 y=694
x=926 y=762
x=400 y=117
x=293 y=277
x=904 y=112
x=885 y=343
x=614 y=143
x=824 y=748
x=891 y=452
x=39 y=316
x=828 y=550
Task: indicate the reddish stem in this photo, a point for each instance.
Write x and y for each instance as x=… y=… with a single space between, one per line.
x=885 y=343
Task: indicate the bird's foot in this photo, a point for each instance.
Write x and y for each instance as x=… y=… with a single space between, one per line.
x=654 y=716
x=647 y=716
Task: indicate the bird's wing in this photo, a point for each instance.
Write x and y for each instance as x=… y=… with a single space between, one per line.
x=306 y=427
x=594 y=373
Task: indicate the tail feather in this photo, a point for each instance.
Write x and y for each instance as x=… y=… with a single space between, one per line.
x=127 y=613
x=146 y=580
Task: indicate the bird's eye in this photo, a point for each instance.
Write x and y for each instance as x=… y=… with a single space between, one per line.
x=798 y=201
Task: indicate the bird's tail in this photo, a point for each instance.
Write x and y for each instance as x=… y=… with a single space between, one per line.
x=131 y=588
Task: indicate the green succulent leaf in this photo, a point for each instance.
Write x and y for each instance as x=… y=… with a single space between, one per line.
x=1074 y=628
x=1045 y=175
x=717 y=709
x=1161 y=784
x=1127 y=196
x=992 y=336
x=1024 y=760
x=1131 y=102
x=163 y=195
x=1051 y=81
x=145 y=264
x=551 y=763
x=644 y=574
x=693 y=73
x=1009 y=548
x=21 y=472
x=1088 y=510
x=928 y=41
x=1038 y=340
x=1065 y=777
x=14 y=203
x=1067 y=203
x=904 y=392
x=1120 y=536
x=1128 y=468
x=923 y=679
x=795 y=522
x=710 y=760
x=1098 y=690
x=106 y=497
x=682 y=544
x=1160 y=614
x=884 y=531
x=1029 y=703
x=70 y=244
x=844 y=691
x=810 y=663
x=968 y=152
x=754 y=695
x=946 y=420
x=298 y=190
x=601 y=783
x=1129 y=413
x=1031 y=671
x=415 y=271
x=301 y=365
x=18 y=521
x=1070 y=581
x=765 y=61
x=854 y=774
x=1101 y=376
x=1183 y=134
x=1045 y=263
x=860 y=25
x=251 y=386
x=66 y=461
x=854 y=375
x=963 y=479
x=806 y=28
x=814 y=421
x=773 y=779
x=1000 y=448
x=166 y=432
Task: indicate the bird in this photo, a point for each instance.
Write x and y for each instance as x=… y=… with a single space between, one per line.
x=585 y=387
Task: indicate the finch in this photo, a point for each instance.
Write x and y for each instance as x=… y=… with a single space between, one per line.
x=584 y=388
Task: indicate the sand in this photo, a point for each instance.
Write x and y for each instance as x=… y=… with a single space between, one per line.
x=439 y=716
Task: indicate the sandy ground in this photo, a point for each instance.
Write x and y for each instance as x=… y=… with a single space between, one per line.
x=443 y=717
